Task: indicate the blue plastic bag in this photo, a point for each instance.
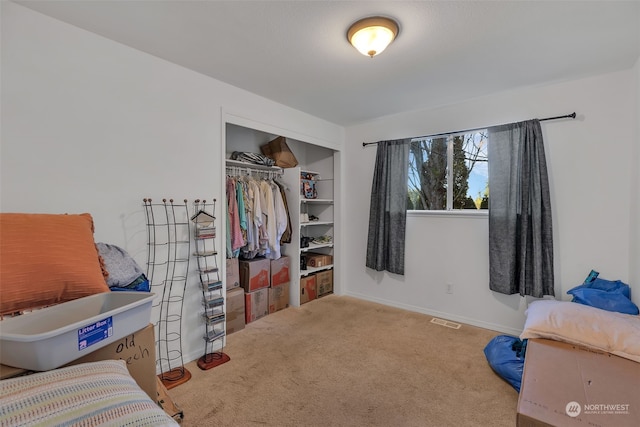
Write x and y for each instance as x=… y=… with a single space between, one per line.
x=605 y=300
x=610 y=295
x=505 y=355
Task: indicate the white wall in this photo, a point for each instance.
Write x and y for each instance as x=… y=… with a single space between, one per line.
x=590 y=165
x=90 y=125
x=634 y=255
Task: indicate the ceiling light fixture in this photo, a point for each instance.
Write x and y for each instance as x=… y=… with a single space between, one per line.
x=372 y=35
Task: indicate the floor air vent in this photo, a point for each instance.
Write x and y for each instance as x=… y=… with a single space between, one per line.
x=447 y=323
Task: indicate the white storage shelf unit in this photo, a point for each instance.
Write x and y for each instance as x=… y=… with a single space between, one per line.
x=322 y=208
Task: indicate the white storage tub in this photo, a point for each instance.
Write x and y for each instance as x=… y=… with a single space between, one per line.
x=51 y=337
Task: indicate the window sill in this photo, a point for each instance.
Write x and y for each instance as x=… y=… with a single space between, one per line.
x=466 y=213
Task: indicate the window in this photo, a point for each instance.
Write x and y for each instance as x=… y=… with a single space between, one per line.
x=449 y=172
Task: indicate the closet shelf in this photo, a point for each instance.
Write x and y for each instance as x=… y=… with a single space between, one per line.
x=239 y=164
x=311 y=270
x=304 y=224
x=313 y=246
x=318 y=201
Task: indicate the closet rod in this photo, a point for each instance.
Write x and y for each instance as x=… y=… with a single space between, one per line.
x=566 y=116
x=238 y=171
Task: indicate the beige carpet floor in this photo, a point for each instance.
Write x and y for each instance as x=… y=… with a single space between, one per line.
x=341 y=361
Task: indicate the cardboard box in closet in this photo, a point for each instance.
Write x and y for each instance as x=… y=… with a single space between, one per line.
x=280 y=270
x=235 y=310
x=318 y=260
x=307 y=288
x=233 y=273
x=278 y=297
x=324 y=282
x=256 y=304
x=254 y=274
x=569 y=385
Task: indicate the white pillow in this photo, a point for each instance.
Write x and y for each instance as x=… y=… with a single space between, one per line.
x=574 y=323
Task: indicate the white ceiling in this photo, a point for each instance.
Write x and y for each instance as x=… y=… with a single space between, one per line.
x=296 y=52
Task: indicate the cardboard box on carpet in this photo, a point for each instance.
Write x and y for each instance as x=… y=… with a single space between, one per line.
x=278 y=297
x=256 y=304
x=280 y=270
x=324 y=282
x=254 y=274
x=233 y=273
x=138 y=350
x=570 y=385
x=318 y=260
x=235 y=310
x=307 y=288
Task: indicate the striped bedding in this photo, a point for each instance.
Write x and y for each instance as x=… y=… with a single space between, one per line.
x=89 y=394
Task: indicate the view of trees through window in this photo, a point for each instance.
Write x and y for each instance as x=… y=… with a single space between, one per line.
x=449 y=172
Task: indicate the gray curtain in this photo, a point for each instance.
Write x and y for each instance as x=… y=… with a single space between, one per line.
x=387 y=216
x=520 y=234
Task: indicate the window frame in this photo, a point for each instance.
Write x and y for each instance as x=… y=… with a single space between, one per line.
x=449 y=210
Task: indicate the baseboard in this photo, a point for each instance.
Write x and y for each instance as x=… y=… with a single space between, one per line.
x=435 y=313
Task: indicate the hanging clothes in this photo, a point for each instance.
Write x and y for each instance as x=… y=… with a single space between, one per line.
x=280 y=220
x=286 y=235
x=237 y=239
x=258 y=217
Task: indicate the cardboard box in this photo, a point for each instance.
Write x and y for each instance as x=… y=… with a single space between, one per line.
x=235 y=310
x=324 y=282
x=11 y=371
x=307 y=288
x=256 y=305
x=318 y=260
x=278 y=297
x=233 y=273
x=280 y=270
x=167 y=404
x=254 y=274
x=139 y=351
x=569 y=385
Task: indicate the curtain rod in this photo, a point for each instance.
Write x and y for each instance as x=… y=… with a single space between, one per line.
x=566 y=116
